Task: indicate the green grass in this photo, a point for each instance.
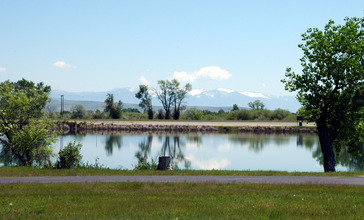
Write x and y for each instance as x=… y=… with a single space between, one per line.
x=31 y=171
x=180 y=201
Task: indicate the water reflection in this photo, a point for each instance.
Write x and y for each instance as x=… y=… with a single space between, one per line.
x=145 y=147
x=111 y=142
x=172 y=146
x=208 y=151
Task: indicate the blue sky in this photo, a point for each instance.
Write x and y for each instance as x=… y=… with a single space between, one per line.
x=103 y=45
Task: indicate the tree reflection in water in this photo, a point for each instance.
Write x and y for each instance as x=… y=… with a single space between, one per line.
x=172 y=146
x=176 y=145
x=257 y=142
x=353 y=161
x=144 y=149
x=111 y=141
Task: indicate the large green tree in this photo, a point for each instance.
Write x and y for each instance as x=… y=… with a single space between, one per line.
x=171 y=95
x=180 y=95
x=145 y=100
x=78 y=111
x=25 y=133
x=114 y=109
x=256 y=105
x=331 y=86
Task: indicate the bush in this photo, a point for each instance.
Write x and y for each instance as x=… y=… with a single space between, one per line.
x=78 y=111
x=143 y=164
x=192 y=114
x=279 y=114
x=261 y=114
x=245 y=114
x=233 y=115
x=70 y=156
x=98 y=114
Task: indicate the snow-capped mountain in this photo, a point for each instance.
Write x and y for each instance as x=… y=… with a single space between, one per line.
x=213 y=98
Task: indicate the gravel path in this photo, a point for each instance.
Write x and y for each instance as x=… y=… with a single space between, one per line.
x=359 y=181
x=206 y=123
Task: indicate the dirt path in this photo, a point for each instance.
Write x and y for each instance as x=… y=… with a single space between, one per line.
x=206 y=123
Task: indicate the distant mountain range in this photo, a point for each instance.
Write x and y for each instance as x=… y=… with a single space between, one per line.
x=211 y=99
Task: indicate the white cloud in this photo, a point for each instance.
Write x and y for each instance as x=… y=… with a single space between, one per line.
x=208 y=72
x=62 y=64
x=2 y=69
x=143 y=80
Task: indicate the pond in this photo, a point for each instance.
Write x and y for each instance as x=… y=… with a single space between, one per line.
x=299 y=152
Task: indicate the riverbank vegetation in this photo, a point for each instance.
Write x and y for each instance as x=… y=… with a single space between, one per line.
x=180 y=201
x=189 y=114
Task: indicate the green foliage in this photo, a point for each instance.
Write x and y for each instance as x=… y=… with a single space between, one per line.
x=192 y=114
x=280 y=114
x=331 y=86
x=70 y=156
x=98 y=114
x=244 y=114
x=114 y=109
x=25 y=132
x=78 y=111
x=171 y=95
x=256 y=105
x=143 y=164
x=145 y=100
x=235 y=107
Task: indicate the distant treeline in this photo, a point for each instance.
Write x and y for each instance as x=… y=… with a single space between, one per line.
x=79 y=112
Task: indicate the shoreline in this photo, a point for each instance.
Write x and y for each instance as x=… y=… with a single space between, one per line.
x=85 y=127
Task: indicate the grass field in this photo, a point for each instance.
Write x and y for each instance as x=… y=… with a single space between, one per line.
x=176 y=201
x=180 y=201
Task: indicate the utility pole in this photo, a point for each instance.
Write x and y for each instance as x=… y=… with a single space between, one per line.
x=62 y=105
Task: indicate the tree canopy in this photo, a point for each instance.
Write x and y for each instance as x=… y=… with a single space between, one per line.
x=331 y=86
x=257 y=104
x=171 y=95
x=114 y=109
x=145 y=100
x=25 y=133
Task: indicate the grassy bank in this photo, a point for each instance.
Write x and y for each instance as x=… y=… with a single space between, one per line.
x=31 y=171
x=180 y=201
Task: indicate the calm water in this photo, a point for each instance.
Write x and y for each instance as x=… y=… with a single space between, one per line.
x=205 y=152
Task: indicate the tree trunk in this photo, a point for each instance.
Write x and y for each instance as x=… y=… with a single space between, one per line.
x=326 y=147
x=168 y=114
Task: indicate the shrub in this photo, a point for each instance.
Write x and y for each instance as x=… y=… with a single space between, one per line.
x=78 y=111
x=233 y=115
x=70 y=156
x=192 y=114
x=245 y=114
x=279 y=114
x=98 y=114
x=143 y=164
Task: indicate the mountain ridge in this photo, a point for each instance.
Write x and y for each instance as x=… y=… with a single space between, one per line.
x=211 y=98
